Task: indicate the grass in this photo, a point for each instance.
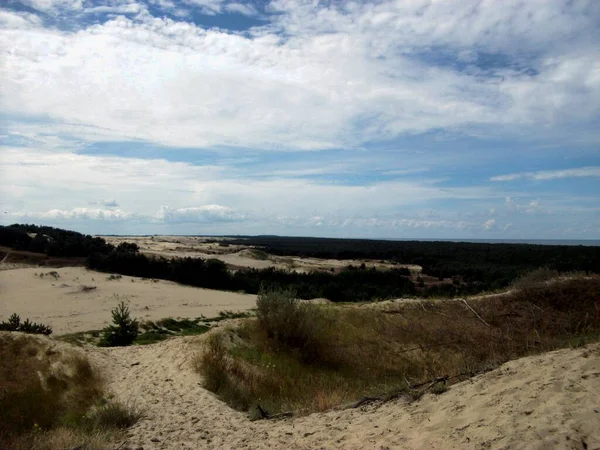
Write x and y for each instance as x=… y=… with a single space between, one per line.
x=225 y=315
x=51 y=397
x=337 y=355
x=258 y=254
x=152 y=332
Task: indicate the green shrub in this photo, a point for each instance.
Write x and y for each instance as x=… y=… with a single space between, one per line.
x=123 y=331
x=114 y=415
x=14 y=324
x=289 y=322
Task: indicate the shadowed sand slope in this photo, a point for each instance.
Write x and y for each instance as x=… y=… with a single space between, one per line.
x=74 y=299
x=546 y=401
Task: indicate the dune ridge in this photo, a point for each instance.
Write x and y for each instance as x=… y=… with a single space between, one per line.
x=539 y=402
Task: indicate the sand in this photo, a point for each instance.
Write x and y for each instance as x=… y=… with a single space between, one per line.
x=77 y=299
x=543 y=402
x=240 y=255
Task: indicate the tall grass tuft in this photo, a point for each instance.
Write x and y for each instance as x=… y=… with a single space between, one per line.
x=290 y=323
x=301 y=357
x=50 y=396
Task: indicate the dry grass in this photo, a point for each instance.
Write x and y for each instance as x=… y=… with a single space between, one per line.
x=365 y=351
x=49 y=396
x=60 y=439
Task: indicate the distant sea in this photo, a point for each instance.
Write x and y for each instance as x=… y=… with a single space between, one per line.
x=587 y=242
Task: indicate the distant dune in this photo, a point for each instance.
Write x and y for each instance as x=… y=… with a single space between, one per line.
x=74 y=299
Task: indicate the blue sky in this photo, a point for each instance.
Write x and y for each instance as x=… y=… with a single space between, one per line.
x=393 y=119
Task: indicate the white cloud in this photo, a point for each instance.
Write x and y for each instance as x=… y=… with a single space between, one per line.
x=50 y=6
x=16 y=20
x=245 y=9
x=76 y=214
x=544 y=175
x=210 y=7
x=124 y=8
x=198 y=214
x=34 y=180
x=490 y=224
x=341 y=77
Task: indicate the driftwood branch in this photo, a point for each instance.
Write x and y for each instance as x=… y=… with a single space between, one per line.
x=475 y=312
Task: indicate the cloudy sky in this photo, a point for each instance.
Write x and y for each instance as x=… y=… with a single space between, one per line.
x=393 y=119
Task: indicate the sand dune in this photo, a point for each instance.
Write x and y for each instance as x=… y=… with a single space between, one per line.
x=541 y=402
x=239 y=255
x=76 y=299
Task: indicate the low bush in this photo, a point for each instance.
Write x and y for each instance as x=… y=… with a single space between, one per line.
x=51 y=398
x=111 y=415
x=391 y=348
x=289 y=322
x=14 y=324
x=39 y=385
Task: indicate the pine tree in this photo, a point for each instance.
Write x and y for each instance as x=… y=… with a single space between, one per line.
x=124 y=329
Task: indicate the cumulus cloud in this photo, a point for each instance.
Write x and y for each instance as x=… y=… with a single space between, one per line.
x=316 y=77
x=240 y=8
x=198 y=214
x=544 y=175
x=355 y=78
x=76 y=214
x=490 y=224
x=204 y=193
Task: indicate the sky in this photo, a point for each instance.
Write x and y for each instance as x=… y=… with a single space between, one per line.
x=459 y=119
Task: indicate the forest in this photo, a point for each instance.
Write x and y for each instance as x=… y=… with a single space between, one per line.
x=52 y=241
x=490 y=266
x=460 y=268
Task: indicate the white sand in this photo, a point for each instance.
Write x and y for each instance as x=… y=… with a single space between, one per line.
x=239 y=255
x=544 y=402
x=64 y=304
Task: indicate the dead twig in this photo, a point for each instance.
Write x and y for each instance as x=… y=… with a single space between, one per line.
x=475 y=312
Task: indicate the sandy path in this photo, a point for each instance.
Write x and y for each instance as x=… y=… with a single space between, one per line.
x=63 y=302
x=542 y=402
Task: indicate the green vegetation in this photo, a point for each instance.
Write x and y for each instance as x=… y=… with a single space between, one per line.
x=449 y=268
x=123 y=331
x=14 y=324
x=53 y=241
x=351 y=284
x=480 y=266
x=169 y=327
x=150 y=332
x=302 y=358
x=53 y=398
x=224 y=315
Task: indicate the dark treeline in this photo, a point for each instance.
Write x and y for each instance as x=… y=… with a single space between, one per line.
x=487 y=266
x=472 y=267
x=352 y=284
x=52 y=241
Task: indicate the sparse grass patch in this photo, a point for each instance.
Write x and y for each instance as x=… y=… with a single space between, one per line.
x=47 y=393
x=81 y=338
x=298 y=357
x=258 y=254
x=151 y=332
x=224 y=315
x=113 y=415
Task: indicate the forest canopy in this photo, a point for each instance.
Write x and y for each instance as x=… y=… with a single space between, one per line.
x=457 y=268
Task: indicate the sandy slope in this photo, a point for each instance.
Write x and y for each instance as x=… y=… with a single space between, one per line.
x=63 y=302
x=542 y=402
x=238 y=255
